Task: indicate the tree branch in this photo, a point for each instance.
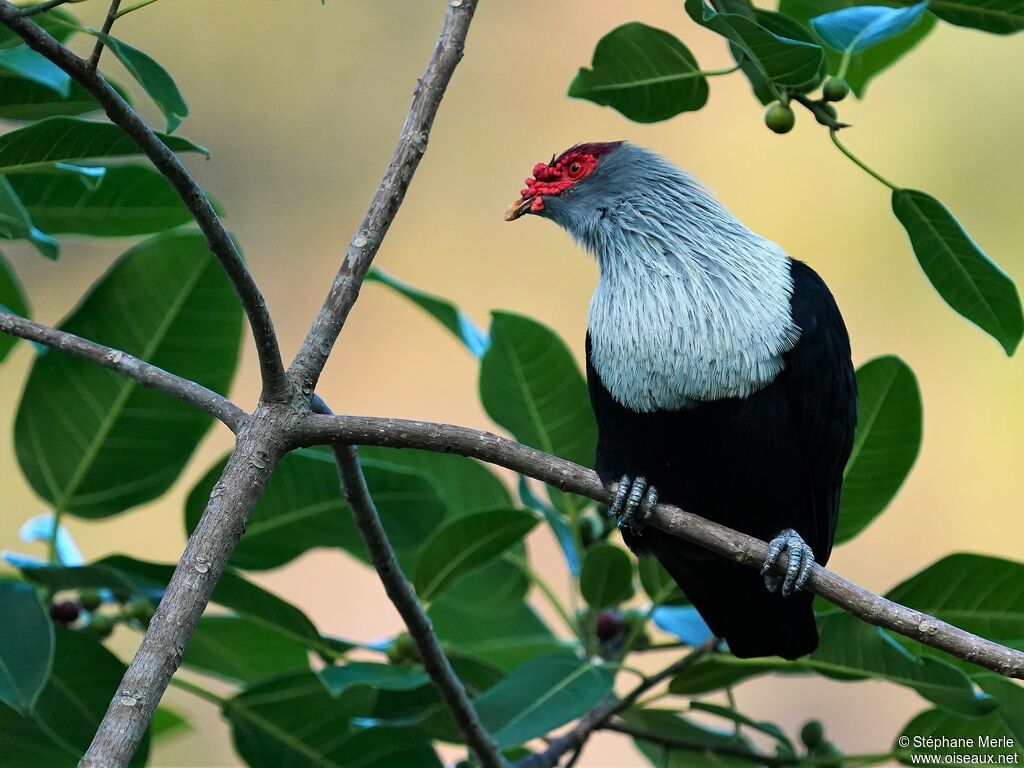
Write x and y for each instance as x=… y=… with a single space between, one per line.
x=108 y=24
x=686 y=745
x=275 y=386
x=32 y=10
x=412 y=143
x=736 y=546
x=144 y=373
x=405 y=601
x=596 y=718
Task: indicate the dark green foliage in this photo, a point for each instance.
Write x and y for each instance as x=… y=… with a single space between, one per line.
x=26 y=646
x=607 y=577
x=12 y=299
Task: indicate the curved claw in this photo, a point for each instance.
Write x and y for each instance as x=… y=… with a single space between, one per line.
x=634 y=502
x=799 y=565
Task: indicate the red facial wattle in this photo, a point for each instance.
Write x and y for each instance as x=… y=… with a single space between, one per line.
x=556 y=177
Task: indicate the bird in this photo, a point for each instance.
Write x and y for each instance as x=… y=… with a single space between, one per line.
x=720 y=376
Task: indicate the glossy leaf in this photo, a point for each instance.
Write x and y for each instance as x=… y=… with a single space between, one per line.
x=70 y=139
x=243 y=651
x=303 y=508
x=683 y=621
x=864 y=66
x=722 y=670
x=128 y=200
x=26 y=645
x=783 y=61
x=446 y=313
x=125 y=577
x=860 y=27
x=658 y=585
x=16 y=224
x=94 y=443
x=387 y=677
x=541 y=695
x=483 y=615
x=959 y=270
x=886 y=443
x=1000 y=17
x=154 y=79
x=24 y=62
x=530 y=385
x=645 y=73
x=85 y=677
x=705 y=741
x=983 y=595
x=607 y=577
x=292 y=720
x=466 y=543
x=12 y=299
x=22 y=99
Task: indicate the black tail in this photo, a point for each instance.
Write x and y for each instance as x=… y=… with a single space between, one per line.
x=737 y=606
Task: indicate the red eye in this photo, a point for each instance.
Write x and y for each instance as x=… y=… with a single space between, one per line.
x=575 y=170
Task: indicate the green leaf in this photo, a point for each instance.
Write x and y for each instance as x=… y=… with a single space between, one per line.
x=851 y=649
x=15 y=223
x=557 y=522
x=292 y=720
x=860 y=27
x=607 y=577
x=645 y=73
x=783 y=61
x=446 y=313
x=541 y=695
x=864 y=66
x=886 y=443
x=483 y=615
x=705 y=741
x=243 y=651
x=154 y=79
x=465 y=543
x=999 y=734
x=94 y=443
x=964 y=276
x=127 y=577
x=387 y=677
x=26 y=645
x=68 y=139
x=530 y=385
x=129 y=200
x=303 y=508
x=85 y=677
x=167 y=723
x=771 y=729
x=658 y=585
x=981 y=594
x=57 y=22
x=26 y=63
x=22 y=99
x=718 y=671
x=12 y=299
x=1000 y=17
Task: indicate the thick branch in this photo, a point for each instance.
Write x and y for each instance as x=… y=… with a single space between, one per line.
x=401 y=593
x=445 y=438
x=138 y=370
x=192 y=195
x=206 y=555
x=412 y=143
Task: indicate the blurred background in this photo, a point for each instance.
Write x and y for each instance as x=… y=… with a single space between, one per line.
x=300 y=104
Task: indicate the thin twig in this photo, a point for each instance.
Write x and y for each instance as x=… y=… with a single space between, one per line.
x=32 y=10
x=412 y=143
x=575 y=738
x=108 y=23
x=275 y=387
x=686 y=745
x=566 y=476
x=144 y=373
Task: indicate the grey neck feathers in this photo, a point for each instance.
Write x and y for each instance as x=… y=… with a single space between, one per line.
x=691 y=305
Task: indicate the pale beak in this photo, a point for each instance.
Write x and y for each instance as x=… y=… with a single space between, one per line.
x=518 y=208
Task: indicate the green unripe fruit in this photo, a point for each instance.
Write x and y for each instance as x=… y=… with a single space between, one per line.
x=829 y=110
x=812 y=734
x=90 y=599
x=835 y=89
x=780 y=118
x=140 y=609
x=402 y=650
x=101 y=626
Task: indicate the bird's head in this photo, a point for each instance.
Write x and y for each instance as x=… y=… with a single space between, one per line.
x=574 y=184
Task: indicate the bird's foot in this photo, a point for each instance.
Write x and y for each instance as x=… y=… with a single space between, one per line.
x=798 y=568
x=634 y=502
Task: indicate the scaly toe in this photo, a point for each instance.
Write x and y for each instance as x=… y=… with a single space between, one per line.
x=615 y=508
x=799 y=564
